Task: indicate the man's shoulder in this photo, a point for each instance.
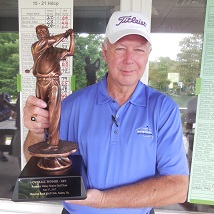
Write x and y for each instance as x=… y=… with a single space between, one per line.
x=159 y=97
x=152 y=92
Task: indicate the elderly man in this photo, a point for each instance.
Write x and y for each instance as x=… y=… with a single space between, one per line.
x=129 y=135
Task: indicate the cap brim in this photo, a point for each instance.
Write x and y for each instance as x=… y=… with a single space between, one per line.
x=118 y=35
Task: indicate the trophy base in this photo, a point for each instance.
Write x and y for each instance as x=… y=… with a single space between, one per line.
x=53 y=158
x=34 y=184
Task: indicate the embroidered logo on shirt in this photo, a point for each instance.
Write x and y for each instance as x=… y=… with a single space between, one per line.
x=146 y=132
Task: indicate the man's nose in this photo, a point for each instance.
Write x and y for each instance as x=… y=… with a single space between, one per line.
x=128 y=57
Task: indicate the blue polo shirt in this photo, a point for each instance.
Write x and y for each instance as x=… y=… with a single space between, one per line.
x=144 y=139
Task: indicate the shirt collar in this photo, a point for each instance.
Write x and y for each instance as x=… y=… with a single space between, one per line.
x=103 y=96
x=137 y=98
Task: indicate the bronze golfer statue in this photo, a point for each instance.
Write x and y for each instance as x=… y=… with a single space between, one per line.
x=46 y=69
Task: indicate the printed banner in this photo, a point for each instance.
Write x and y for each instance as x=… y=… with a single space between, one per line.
x=201 y=189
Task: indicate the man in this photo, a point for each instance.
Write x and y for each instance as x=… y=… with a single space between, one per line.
x=91 y=69
x=46 y=69
x=129 y=135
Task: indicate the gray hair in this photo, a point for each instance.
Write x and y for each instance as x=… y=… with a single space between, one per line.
x=105 y=42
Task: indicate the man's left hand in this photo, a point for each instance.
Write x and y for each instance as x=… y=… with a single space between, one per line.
x=95 y=198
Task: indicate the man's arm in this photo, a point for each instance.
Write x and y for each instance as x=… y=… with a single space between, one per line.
x=36 y=133
x=154 y=192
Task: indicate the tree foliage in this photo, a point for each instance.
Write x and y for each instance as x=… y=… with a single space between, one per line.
x=189 y=60
x=158 y=73
x=187 y=65
x=9 y=63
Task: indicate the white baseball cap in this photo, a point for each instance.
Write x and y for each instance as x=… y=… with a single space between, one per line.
x=123 y=23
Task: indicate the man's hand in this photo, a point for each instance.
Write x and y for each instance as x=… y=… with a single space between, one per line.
x=36 y=107
x=95 y=198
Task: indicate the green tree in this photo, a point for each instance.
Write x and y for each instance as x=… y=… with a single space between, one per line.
x=158 y=73
x=87 y=45
x=189 y=61
x=9 y=63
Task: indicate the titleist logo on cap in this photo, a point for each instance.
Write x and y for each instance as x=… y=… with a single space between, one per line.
x=130 y=19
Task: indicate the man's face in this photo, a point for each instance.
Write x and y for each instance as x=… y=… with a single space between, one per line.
x=42 y=32
x=126 y=60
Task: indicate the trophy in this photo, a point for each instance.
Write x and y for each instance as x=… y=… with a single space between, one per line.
x=52 y=173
